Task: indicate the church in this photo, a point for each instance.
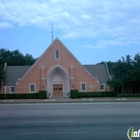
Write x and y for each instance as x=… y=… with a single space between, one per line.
x=58 y=72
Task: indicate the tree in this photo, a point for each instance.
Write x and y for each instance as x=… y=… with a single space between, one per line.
x=135 y=73
x=1 y=74
x=29 y=59
x=14 y=58
x=125 y=72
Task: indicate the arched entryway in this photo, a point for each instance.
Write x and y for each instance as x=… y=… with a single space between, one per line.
x=58 y=82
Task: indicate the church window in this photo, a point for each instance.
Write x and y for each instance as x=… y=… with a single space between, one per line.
x=12 y=90
x=102 y=87
x=32 y=87
x=83 y=86
x=57 y=55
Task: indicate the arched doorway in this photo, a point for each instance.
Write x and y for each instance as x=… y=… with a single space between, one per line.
x=58 y=82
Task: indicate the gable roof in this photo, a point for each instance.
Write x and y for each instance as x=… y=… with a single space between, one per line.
x=55 y=42
x=13 y=73
x=99 y=71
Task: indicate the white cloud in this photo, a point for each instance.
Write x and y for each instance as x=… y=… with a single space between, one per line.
x=86 y=17
x=95 y=47
x=114 y=43
x=6 y=25
x=77 y=18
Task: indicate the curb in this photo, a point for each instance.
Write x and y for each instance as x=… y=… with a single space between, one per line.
x=67 y=101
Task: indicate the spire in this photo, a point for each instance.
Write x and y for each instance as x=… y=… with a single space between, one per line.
x=52 y=31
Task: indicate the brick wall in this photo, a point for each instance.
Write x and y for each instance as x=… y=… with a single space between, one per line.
x=38 y=72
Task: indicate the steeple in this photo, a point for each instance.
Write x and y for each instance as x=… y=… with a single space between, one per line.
x=52 y=31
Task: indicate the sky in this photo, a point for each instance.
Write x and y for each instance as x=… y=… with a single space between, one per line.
x=93 y=30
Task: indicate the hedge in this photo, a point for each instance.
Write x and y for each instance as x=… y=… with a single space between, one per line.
x=40 y=95
x=77 y=94
x=74 y=94
x=128 y=95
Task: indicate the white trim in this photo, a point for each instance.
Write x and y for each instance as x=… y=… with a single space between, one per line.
x=71 y=66
x=43 y=78
x=30 y=87
x=11 y=90
x=59 y=66
x=103 y=87
x=108 y=71
x=72 y=78
x=5 y=66
x=43 y=67
x=81 y=86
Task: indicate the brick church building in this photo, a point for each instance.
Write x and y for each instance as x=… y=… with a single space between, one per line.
x=57 y=71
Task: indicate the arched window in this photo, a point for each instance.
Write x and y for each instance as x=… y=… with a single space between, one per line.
x=57 y=55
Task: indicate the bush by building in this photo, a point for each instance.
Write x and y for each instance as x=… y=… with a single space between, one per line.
x=40 y=95
x=77 y=94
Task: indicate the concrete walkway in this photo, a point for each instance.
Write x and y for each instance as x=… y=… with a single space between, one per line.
x=116 y=99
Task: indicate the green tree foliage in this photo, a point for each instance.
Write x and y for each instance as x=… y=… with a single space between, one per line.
x=125 y=72
x=14 y=58
x=1 y=74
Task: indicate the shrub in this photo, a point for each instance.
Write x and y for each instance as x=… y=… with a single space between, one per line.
x=19 y=96
x=128 y=95
x=77 y=94
x=74 y=94
x=42 y=94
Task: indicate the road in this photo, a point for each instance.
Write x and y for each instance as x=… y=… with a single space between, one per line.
x=68 y=121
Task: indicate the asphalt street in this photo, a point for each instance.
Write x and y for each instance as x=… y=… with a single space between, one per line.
x=68 y=121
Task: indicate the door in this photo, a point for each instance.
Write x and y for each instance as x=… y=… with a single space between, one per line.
x=58 y=90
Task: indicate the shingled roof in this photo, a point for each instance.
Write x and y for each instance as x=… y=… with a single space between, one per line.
x=13 y=73
x=99 y=71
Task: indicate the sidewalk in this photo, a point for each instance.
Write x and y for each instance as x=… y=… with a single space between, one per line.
x=79 y=100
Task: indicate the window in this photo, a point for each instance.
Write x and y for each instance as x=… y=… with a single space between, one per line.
x=12 y=89
x=102 y=87
x=57 y=55
x=32 y=87
x=83 y=86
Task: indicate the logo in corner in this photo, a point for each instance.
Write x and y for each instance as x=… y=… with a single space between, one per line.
x=131 y=133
